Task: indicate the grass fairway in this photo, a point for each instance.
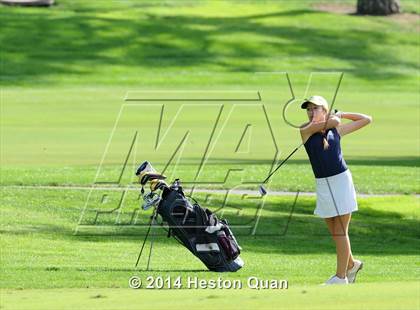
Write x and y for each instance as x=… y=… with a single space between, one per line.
x=397 y=295
x=41 y=256
x=65 y=74
x=61 y=99
x=41 y=249
x=63 y=143
x=163 y=42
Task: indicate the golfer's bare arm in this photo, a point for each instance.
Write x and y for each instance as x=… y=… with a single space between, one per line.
x=358 y=121
x=308 y=129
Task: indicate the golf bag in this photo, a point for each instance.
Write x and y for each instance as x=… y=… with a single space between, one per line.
x=199 y=230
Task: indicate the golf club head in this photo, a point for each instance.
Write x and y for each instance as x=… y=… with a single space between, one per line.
x=146 y=173
x=262 y=190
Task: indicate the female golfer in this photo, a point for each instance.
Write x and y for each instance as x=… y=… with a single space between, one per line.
x=336 y=196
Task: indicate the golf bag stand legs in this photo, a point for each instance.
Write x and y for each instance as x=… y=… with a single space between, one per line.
x=151 y=224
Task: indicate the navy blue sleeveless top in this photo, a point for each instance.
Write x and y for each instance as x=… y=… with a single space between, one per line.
x=329 y=162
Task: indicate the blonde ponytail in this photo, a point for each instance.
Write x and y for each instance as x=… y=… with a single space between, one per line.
x=326 y=144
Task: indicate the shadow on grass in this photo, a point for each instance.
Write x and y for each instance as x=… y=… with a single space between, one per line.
x=38 y=44
x=279 y=230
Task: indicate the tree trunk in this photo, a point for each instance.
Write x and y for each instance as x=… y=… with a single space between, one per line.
x=378 y=7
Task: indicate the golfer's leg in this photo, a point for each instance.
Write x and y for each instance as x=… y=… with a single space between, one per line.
x=351 y=259
x=342 y=243
x=330 y=224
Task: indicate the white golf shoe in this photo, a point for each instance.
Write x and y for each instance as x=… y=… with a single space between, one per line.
x=352 y=273
x=336 y=280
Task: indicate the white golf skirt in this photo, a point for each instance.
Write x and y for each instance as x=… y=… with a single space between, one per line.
x=340 y=200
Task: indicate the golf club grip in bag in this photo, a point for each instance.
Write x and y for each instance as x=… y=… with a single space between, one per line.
x=199 y=230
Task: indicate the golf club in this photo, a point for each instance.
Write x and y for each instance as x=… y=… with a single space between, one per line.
x=262 y=190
